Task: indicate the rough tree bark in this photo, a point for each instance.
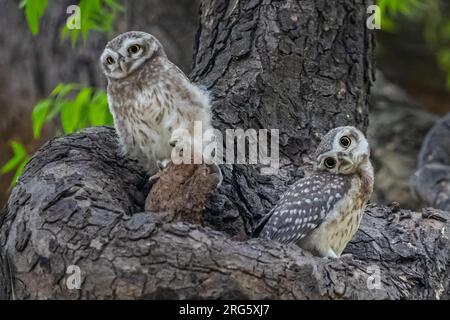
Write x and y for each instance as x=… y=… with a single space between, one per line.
x=303 y=67
x=79 y=202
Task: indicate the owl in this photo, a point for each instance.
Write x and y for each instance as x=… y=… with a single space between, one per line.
x=151 y=100
x=322 y=212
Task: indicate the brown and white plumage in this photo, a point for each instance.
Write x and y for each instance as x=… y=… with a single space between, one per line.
x=322 y=212
x=150 y=98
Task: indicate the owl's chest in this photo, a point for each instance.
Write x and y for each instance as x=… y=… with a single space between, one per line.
x=144 y=110
x=340 y=230
x=140 y=122
x=342 y=223
x=152 y=106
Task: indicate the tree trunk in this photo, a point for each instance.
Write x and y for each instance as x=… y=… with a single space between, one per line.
x=303 y=67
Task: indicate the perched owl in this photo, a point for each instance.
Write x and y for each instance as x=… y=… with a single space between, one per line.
x=322 y=212
x=150 y=98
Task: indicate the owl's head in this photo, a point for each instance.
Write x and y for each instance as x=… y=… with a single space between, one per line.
x=127 y=52
x=343 y=150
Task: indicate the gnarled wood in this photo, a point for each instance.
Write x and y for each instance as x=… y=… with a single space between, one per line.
x=59 y=217
x=301 y=67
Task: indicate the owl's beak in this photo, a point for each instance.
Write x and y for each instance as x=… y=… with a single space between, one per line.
x=345 y=159
x=124 y=66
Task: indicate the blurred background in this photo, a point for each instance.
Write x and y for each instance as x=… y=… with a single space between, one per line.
x=51 y=84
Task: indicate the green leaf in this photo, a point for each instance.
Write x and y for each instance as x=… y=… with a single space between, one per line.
x=34 y=9
x=67 y=88
x=96 y=15
x=19 y=153
x=82 y=102
x=115 y=5
x=18 y=148
x=57 y=90
x=59 y=94
x=19 y=172
x=74 y=37
x=69 y=117
x=55 y=109
x=39 y=116
x=99 y=114
x=74 y=115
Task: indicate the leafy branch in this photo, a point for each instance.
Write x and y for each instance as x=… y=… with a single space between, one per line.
x=87 y=107
x=97 y=15
x=76 y=106
x=34 y=9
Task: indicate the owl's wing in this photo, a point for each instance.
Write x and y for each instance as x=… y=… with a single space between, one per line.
x=303 y=207
x=261 y=224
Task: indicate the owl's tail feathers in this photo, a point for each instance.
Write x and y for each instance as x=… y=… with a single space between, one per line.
x=261 y=224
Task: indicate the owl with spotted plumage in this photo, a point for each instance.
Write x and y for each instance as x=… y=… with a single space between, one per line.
x=150 y=99
x=322 y=212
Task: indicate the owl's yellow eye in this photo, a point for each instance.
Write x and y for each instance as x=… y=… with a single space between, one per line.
x=134 y=48
x=329 y=162
x=109 y=60
x=345 y=141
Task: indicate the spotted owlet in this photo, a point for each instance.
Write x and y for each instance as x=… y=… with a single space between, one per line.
x=150 y=99
x=322 y=212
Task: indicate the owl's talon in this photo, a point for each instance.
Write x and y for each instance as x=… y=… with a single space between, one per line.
x=162 y=164
x=153 y=179
x=346 y=257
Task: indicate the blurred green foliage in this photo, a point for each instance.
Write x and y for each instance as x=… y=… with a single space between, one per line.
x=97 y=15
x=86 y=108
x=74 y=105
x=34 y=9
x=18 y=161
x=391 y=10
x=434 y=18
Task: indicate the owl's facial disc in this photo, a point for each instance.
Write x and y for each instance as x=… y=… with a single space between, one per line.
x=126 y=53
x=347 y=146
x=119 y=64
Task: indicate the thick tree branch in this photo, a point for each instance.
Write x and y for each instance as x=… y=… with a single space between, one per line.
x=302 y=67
x=59 y=217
